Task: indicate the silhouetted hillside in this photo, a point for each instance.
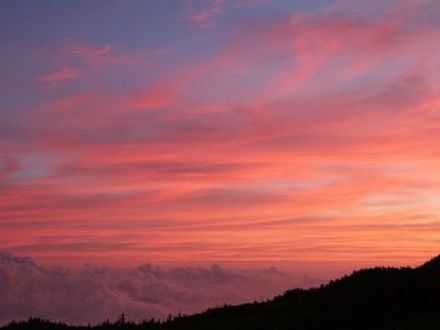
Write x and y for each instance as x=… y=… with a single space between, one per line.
x=377 y=298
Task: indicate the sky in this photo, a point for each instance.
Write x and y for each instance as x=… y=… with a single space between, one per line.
x=213 y=136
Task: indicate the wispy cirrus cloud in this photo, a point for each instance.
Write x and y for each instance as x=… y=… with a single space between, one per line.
x=206 y=14
x=64 y=73
x=204 y=18
x=292 y=136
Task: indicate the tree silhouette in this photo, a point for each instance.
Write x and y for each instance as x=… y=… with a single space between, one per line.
x=378 y=298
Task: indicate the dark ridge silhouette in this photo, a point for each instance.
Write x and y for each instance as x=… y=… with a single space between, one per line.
x=377 y=298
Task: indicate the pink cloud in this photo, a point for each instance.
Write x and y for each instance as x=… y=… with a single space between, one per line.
x=89 y=53
x=321 y=126
x=64 y=73
x=152 y=100
x=98 y=56
x=204 y=18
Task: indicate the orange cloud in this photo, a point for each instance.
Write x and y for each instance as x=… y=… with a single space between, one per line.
x=310 y=137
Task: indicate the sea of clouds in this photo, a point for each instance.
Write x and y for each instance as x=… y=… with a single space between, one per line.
x=92 y=294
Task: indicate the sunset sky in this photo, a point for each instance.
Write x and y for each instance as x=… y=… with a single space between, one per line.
x=246 y=133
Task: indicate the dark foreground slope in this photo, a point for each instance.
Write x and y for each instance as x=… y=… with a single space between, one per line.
x=378 y=298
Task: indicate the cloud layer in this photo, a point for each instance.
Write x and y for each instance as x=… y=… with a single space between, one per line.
x=231 y=132
x=91 y=294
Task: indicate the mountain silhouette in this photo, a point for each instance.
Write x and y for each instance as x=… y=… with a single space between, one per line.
x=380 y=298
x=432 y=265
